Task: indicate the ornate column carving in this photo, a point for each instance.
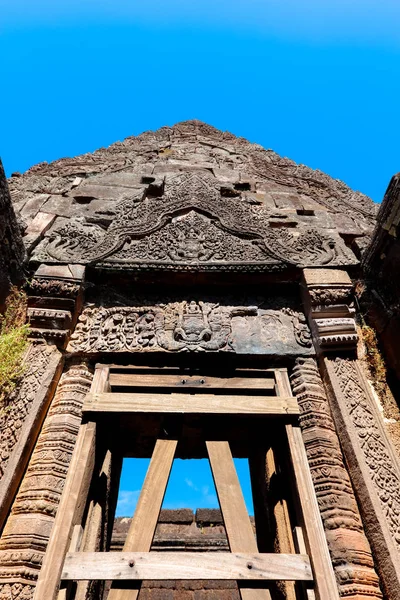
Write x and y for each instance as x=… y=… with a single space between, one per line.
x=26 y=533
x=372 y=463
x=350 y=552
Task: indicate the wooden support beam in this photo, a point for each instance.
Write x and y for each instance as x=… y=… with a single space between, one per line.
x=72 y=503
x=190 y=381
x=144 y=522
x=324 y=576
x=70 y=511
x=284 y=539
x=236 y=519
x=190 y=404
x=185 y=565
x=301 y=547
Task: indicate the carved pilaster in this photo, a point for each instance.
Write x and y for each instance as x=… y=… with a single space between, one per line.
x=23 y=416
x=348 y=545
x=12 y=251
x=26 y=533
x=372 y=463
x=54 y=301
x=328 y=296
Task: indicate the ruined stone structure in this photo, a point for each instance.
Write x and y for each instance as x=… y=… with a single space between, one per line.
x=12 y=251
x=193 y=252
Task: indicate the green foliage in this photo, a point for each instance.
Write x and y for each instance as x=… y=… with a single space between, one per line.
x=13 y=342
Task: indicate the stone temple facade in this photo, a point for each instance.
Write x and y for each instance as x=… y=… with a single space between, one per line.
x=190 y=248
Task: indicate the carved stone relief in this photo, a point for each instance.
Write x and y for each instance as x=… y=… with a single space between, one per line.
x=55 y=296
x=328 y=300
x=28 y=527
x=189 y=325
x=20 y=401
x=348 y=545
x=192 y=223
x=373 y=465
x=22 y=416
x=383 y=473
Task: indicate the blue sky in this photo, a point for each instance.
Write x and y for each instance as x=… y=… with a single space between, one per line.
x=316 y=81
x=190 y=485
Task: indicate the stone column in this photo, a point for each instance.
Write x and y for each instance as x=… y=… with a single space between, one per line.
x=27 y=531
x=372 y=462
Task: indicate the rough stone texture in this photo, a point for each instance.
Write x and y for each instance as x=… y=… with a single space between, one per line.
x=373 y=465
x=12 y=251
x=348 y=546
x=28 y=527
x=191 y=196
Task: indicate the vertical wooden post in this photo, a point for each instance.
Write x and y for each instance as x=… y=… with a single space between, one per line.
x=284 y=528
x=73 y=501
x=324 y=576
x=236 y=519
x=144 y=522
x=70 y=512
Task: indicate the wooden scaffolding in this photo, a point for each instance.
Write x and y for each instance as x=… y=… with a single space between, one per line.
x=169 y=412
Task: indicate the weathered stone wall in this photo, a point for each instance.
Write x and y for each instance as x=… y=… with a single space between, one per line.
x=12 y=251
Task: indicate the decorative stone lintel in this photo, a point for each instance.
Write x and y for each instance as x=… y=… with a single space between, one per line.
x=55 y=299
x=328 y=301
x=372 y=462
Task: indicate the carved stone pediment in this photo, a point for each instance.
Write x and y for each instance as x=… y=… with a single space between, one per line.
x=193 y=223
x=244 y=326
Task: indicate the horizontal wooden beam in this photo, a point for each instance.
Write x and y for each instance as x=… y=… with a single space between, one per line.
x=91 y=566
x=190 y=381
x=190 y=403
